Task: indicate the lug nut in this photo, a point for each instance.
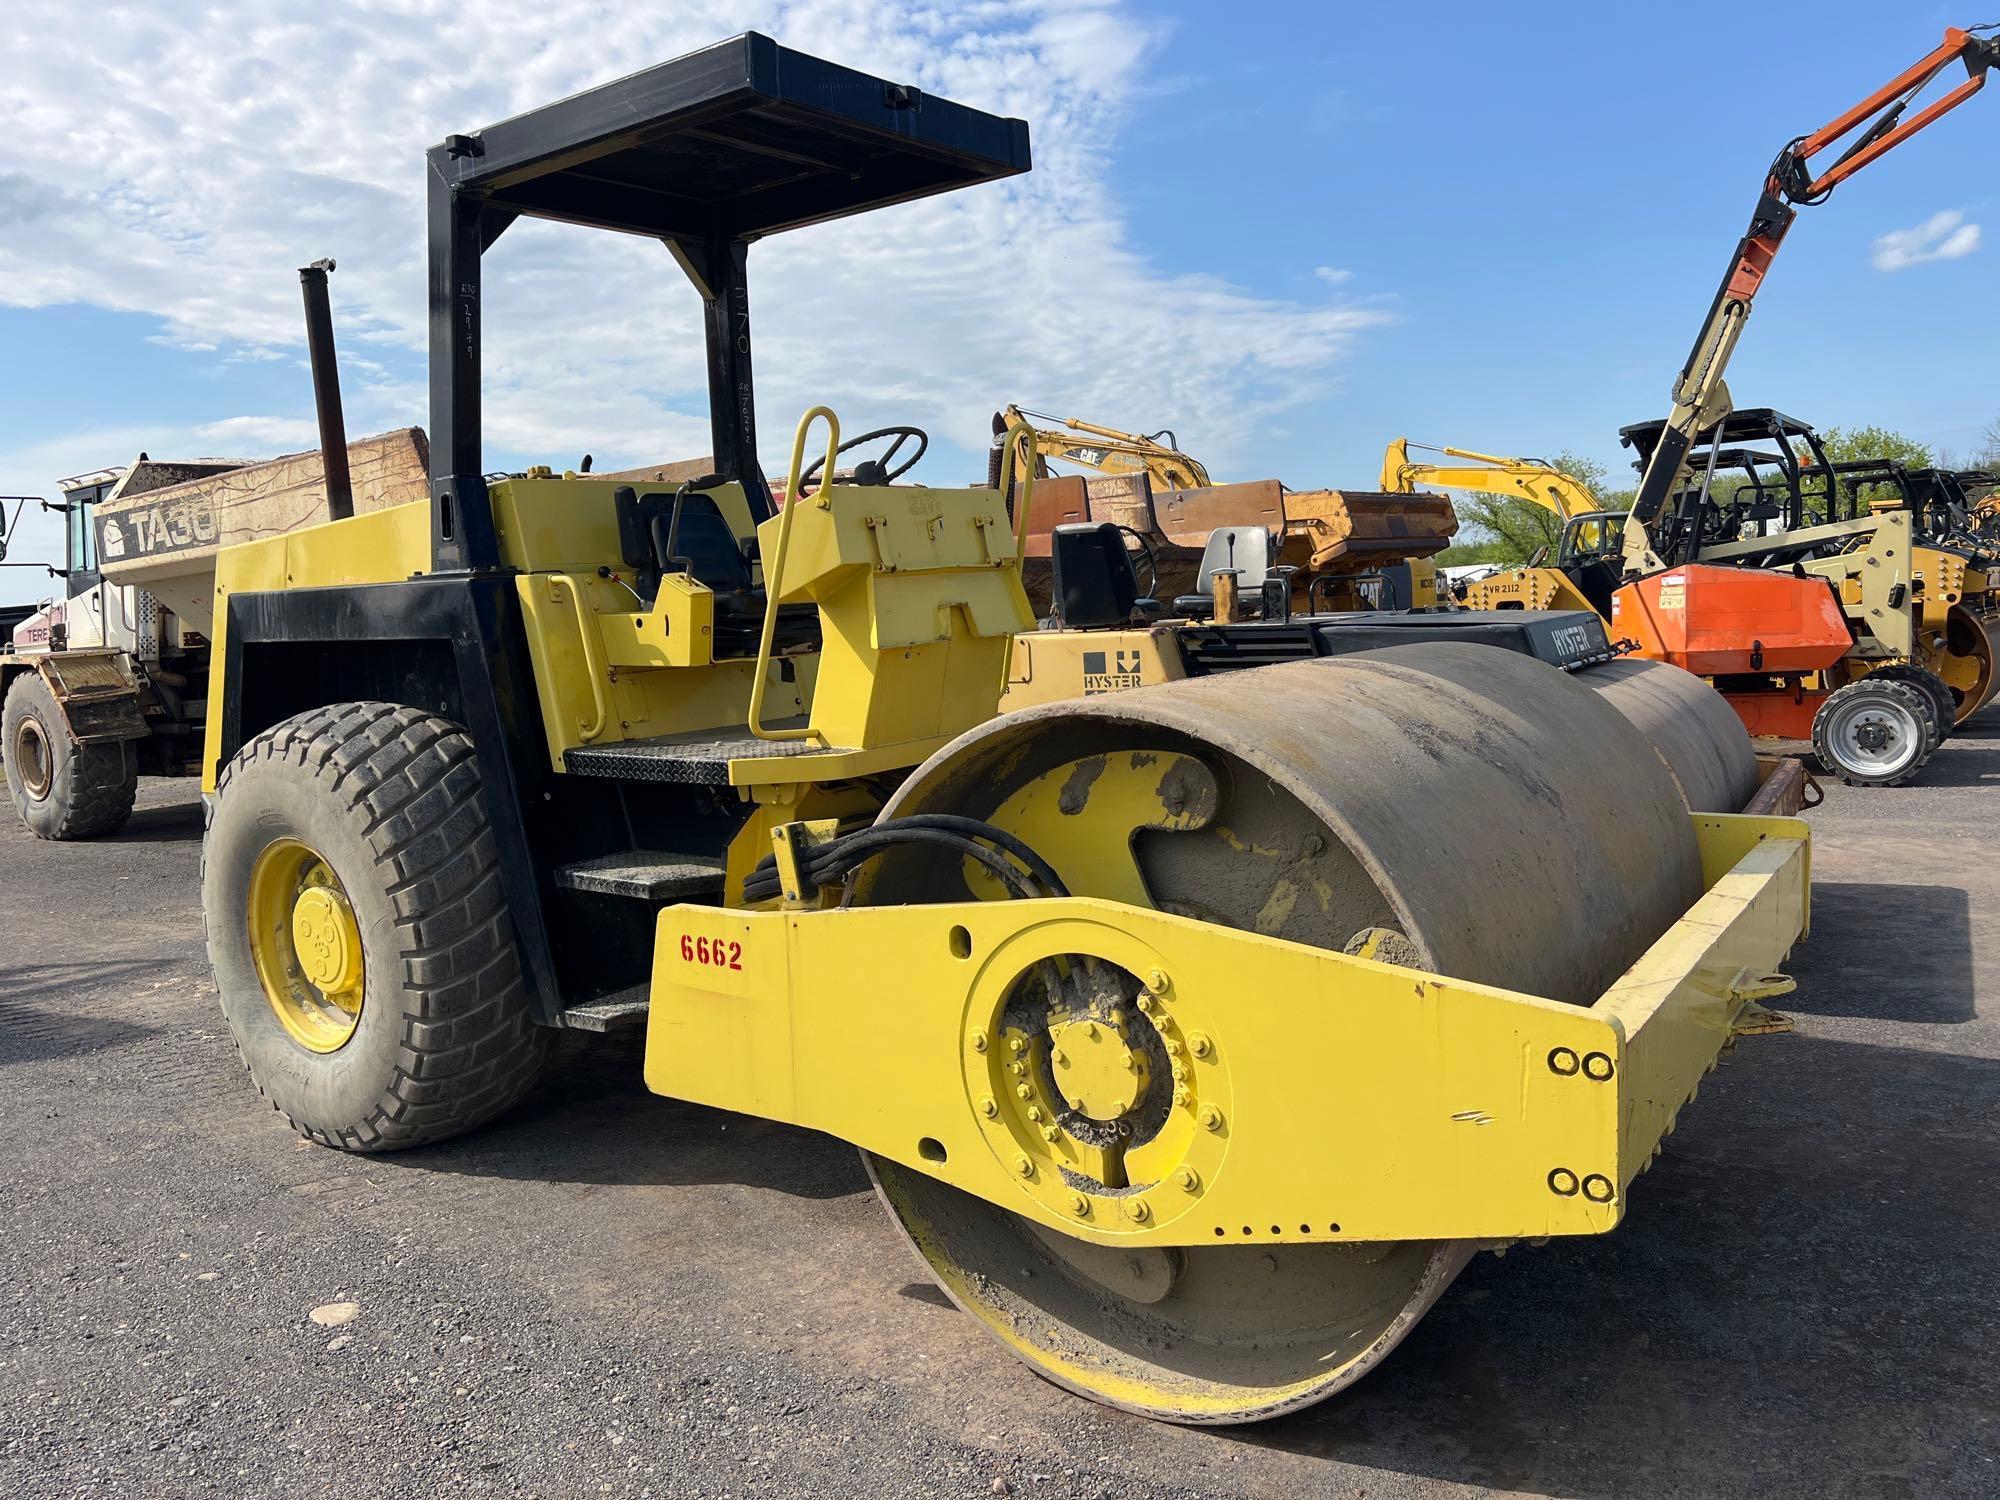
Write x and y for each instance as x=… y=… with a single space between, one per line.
x=1211 y=1117
x=1138 y=1210
x=1199 y=1044
x=1158 y=982
x=989 y=1106
x=1035 y=1114
x=1079 y=1205
x=1057 y=1057
x=1146 y=1004
x=1025 y=1167
x=1051 y=1134
x=1022 y=1091
x=1182 y=1093
x=1189 y=1179
x=978 y=1040
x=1015 y=1044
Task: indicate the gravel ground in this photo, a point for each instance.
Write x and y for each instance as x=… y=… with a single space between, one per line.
x=612 y=1294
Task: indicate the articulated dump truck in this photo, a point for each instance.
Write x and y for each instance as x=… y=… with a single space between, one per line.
x=110 y=680
x=1196 y=1027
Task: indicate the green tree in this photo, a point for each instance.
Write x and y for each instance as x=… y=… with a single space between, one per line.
x=1848 y=444
x=1503 y=529
x=1844 y=444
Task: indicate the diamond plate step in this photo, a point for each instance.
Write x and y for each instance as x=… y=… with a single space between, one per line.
x=644 y=875
x=613 y=1012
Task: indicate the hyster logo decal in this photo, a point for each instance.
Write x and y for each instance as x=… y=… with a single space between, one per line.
x=1102 y=675
x=1572 y=641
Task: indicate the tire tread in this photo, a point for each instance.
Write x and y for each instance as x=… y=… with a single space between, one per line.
x=469 y=1046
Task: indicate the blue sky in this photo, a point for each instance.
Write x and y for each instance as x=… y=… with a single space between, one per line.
x=1291 y=232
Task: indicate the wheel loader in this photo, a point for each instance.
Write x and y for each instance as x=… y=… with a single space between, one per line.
x=1195 y=1033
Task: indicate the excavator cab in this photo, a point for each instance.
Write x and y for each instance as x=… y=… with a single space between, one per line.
x=1589 y=553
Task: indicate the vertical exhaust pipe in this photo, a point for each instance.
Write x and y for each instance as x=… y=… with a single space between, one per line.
x=326 y=391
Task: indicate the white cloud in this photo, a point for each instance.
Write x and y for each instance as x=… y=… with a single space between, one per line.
x=259 y=435
x=1943 y=236
x=182 y=164
x=1332 y=275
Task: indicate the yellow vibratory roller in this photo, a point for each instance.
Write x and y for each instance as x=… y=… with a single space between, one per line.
x=1967 y=663
x=1438 y=807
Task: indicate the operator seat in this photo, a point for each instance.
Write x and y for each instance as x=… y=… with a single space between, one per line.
x=1093 y=583
x=686 y=532
x=1246 y=549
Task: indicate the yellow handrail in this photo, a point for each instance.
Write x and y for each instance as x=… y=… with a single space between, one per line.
x=595 y=667
x=774 y=568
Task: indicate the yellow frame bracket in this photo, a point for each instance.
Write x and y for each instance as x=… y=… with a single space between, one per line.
x=1322 y=1097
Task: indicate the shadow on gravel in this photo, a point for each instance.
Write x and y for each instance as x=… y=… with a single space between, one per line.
x=1903 y=953
x=177 y=823
x=30 y=1032
x=46 y=981
x=1802 y=1300
x=1967 y=759
x=593 y=1120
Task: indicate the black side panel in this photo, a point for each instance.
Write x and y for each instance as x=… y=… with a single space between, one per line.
x=1565 y=638
x=455 y=646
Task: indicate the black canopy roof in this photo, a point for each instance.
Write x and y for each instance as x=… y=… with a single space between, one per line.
x=1745 y=425
x=738 y=140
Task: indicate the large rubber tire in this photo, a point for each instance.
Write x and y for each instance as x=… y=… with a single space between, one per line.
x=1903 y=717
x=390 y=797
x=61 y=789
x=1944 y=707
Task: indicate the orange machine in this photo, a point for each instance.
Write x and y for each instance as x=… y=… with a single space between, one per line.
x=1757 y=635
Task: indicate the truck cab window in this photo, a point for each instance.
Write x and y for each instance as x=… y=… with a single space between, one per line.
x=82 y=540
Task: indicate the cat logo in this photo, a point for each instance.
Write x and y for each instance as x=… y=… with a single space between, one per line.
x=1110 y=671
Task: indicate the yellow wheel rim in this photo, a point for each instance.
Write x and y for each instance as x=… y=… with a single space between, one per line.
x=306 y=945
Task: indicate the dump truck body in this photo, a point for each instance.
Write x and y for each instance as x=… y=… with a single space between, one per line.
x=120 y=663
x=160 y=528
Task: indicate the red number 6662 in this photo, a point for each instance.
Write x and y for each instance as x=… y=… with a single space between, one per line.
x=716 y=952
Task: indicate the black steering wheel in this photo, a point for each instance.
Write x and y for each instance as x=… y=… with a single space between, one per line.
x=875 y=470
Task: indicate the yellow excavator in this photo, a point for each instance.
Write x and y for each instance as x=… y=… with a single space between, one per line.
x=1589 y=531
x=1105 y=450
x=1345 y=549
x=1528 y=479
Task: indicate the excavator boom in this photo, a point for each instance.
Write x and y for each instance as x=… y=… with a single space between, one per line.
x=1106 y=449
x=1527 y=479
